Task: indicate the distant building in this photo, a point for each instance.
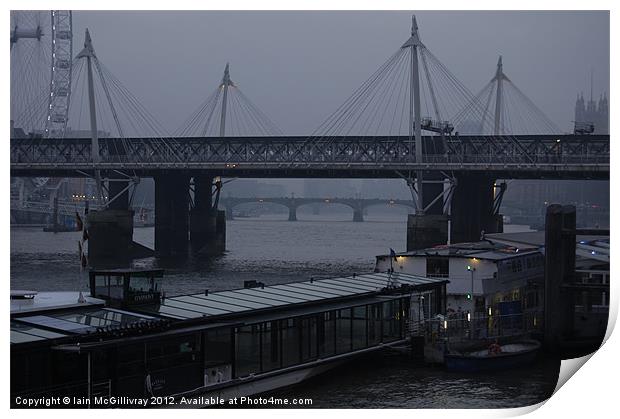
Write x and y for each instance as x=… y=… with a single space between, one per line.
x=593 y=113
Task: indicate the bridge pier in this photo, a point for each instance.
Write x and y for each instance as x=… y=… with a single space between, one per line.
x=110 y=231
x=292 y=213
x=471 y=214
x=431 y=228
x=171 y=214
x=472 y=208
x=358 y=215
x=229 y=213
x=110 y=237
x=207 y=224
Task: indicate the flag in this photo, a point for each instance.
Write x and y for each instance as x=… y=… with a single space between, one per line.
x=85 y=235
x=78 y=222
x=392 y=253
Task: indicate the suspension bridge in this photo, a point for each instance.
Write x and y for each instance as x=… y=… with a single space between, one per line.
x=411 y=119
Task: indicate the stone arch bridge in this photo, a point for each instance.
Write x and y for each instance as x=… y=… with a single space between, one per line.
x=358 y=205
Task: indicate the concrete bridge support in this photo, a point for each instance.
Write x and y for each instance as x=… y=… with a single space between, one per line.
x=560 y=246
x=229 y=213
x=207 y=224
x=292 y=213
x=358 y=215
x=472 y=208
x=471 y=214
x=110 y=241
x=431 y=228
x=171 y=214
x=110 y=231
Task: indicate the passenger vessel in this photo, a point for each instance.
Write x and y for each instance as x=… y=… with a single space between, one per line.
x=127 y=339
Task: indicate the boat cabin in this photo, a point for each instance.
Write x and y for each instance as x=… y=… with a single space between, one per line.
x=224 y=343
x=123 y=288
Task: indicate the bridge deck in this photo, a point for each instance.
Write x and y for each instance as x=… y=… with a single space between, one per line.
x=571 y=156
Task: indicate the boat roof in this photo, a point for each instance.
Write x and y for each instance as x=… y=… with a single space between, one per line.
x=53 y=300
x=236 y=302
x=132 y=272
x=71 y=322
x=485 y=249
x=59 y=315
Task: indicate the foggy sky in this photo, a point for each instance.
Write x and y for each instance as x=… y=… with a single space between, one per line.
x=298 y=67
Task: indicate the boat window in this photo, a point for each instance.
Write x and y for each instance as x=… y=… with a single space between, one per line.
x=271 y=358
x=437 y=267
x=218 y=347
x=327 y=334
x=374 y=324
x=343 y=330
x=171 y=352
x=130 y=360
x=359 y=327
x=30 y=370
x=68 y=367
x=308 y=339
x=290 y=342
x=141 y=284
x=391 y=323
x=247 y=343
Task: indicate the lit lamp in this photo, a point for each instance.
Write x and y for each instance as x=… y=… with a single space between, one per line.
x=470 y=296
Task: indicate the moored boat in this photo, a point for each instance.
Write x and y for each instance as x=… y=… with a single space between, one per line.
x=128 y=339
x=494 y=358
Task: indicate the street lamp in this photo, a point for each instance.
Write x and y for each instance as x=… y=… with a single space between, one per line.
x=471 y=270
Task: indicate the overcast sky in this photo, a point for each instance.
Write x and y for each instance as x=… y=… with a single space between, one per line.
x=298 y=67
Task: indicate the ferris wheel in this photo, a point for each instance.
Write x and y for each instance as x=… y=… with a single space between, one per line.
x=41 y=62
x=41 y=58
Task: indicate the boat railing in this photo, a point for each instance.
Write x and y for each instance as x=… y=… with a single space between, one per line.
x=480 y=326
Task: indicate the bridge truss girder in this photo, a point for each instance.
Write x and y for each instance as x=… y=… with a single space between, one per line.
x=235 y=154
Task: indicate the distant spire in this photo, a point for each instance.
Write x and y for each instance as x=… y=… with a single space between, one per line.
x=591 y=85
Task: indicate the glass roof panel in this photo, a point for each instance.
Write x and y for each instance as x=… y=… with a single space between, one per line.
x=278 y=299
x=335 y=288
x=296 y=296
x=18 y=337
x=353 y=284
x=210 y=303
x=27 y=329
x=172 y=302
x=173 y=312
x=310 y=289
x=54 y=323
x=244 y=300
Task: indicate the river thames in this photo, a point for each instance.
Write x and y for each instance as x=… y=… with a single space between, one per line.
x=273 y=250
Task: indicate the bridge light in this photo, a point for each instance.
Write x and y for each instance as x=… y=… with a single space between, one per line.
x=469 y=296
x=558 y=140
x=469 y=267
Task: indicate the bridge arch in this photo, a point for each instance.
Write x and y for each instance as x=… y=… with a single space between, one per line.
x=355 y=208
x=231 y=204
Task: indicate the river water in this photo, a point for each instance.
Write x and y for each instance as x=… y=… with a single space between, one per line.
x=273 y=250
